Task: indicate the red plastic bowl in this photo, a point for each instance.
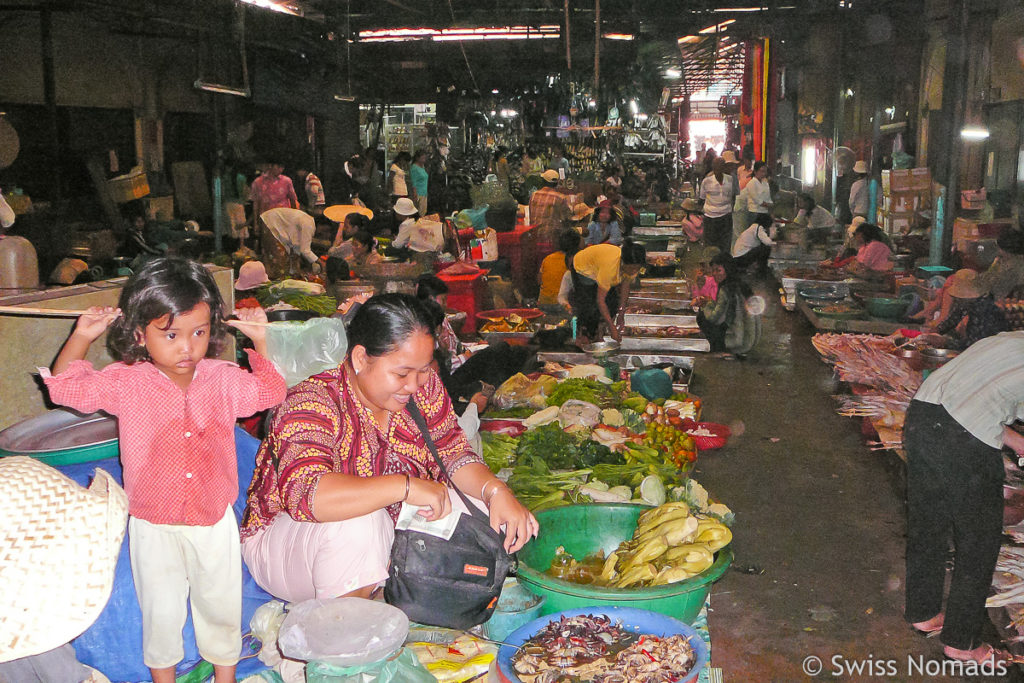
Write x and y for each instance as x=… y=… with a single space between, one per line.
x=709 y=443
x=524 y=313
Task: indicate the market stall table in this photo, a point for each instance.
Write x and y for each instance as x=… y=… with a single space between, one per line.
x=866 y=326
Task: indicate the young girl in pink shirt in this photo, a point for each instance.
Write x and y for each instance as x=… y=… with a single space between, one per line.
x=176 y=406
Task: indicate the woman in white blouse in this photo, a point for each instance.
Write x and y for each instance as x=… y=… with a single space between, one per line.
x=759 y=194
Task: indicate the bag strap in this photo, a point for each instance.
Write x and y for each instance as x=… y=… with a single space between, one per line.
x=417 y=417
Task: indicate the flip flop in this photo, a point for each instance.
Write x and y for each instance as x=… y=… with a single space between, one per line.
x=991 y=654
x=928 y=632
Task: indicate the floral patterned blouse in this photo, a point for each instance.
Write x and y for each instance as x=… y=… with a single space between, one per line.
x=322 y=427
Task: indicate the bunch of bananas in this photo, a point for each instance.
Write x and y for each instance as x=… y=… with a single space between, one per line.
x=669 y=545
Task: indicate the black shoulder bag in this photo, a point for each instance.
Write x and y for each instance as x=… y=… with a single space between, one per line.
x=452 y=583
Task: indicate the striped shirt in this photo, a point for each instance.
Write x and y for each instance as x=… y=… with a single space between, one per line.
x=982 y=388
x=322 y=427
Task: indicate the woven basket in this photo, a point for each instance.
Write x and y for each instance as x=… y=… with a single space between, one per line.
x=59 y=545
x=710 y=443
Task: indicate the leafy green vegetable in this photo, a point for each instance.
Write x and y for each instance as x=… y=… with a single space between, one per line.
x=634 y=420
x=590 y=453
x=588 y=390
x=499 y=450
x=549 y=444
x=323 y=304
x=518 y=411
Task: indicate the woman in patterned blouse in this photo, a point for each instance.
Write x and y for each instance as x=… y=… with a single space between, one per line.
x=343 y=454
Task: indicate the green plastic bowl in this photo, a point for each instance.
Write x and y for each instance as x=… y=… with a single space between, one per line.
x=584 y=529
x=62 y=437
x=882 y=307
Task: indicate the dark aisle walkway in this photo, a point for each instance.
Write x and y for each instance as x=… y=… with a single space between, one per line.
x=820 y=523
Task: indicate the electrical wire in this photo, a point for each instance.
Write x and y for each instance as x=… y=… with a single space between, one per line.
x=462 y=47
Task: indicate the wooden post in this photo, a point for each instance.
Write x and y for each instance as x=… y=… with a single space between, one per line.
x=50 y=98
x=568 y=46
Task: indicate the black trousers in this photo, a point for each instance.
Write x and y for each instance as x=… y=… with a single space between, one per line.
x=954 y=487
x=584 y=304
x=713 y=332
x=759 y=255
x=718 y=232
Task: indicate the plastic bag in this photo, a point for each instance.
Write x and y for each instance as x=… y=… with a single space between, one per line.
x=520 y=390
x=403 y=667
x=493 y=194
x=344 y=632
x=300 y=350
x=578 y=413
x=265 y=624
x=475 y=218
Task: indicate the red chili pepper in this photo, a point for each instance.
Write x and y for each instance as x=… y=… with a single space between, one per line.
x=641 y=641
x=649 y=655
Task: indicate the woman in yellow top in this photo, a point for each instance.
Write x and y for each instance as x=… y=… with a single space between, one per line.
x=601 y=275
x=554 y=267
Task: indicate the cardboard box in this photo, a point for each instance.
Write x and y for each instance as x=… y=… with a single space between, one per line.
x=903 y=202
x=160 y=208
x=900 y=180
x=895 y=223
x=920 y=179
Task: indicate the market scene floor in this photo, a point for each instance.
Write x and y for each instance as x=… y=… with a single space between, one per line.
x=821 y=522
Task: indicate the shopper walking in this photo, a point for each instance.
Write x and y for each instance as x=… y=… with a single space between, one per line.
x=717 y=191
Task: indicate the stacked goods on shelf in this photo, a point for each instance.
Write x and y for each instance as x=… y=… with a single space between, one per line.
x=905 y=193
x=1013 y=309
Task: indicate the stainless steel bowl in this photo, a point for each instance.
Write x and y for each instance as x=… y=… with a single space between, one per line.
x=937 y=357
x=602 y=349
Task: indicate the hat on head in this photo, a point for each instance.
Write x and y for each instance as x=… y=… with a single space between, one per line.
x=860 y=167
x=251 y=274
x=58 y=550
x=729 y=157
x=690 y=204
x=339 y=212
x=605 y=204
x=964 y=284
x=581 y=211
x=709 y=253
x=405 y=207
x=550 y=175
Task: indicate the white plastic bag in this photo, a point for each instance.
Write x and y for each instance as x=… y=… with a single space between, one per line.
x=342 y=631
x=265 y=624
x=300 y=350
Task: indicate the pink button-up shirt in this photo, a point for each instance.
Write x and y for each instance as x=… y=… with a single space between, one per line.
x=177 y=447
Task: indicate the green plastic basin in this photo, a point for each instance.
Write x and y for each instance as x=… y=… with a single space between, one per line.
x=584 y=529
x=62 y=437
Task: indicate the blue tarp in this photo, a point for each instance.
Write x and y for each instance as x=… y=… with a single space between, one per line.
x=113 y=644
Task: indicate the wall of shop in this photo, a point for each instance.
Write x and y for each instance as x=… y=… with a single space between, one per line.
x=105 y=78
x=28 y=342
x=94 y=67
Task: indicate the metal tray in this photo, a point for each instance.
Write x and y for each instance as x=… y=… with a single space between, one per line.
x=658 y=230
x=682 y=367
x=665 y=283
x=664 y=303
x=62 y=437
x=682 y=378
x=664 y=344
x=656 y=320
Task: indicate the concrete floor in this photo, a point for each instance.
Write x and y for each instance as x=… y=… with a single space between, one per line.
x=820 y=523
